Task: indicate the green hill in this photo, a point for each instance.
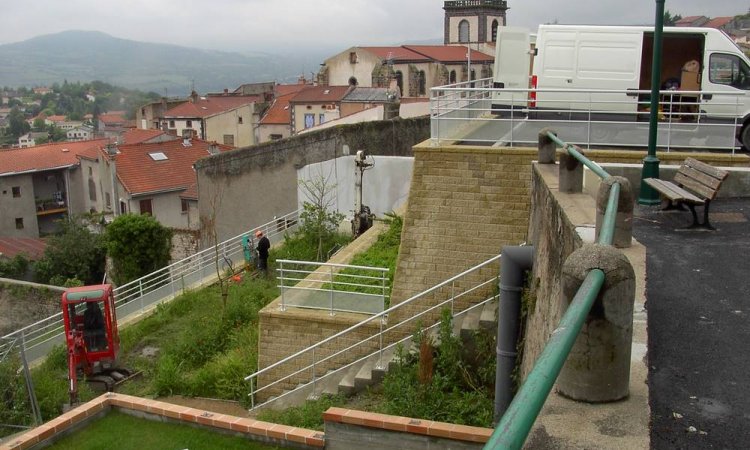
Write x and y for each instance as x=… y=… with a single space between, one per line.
x=90 y=55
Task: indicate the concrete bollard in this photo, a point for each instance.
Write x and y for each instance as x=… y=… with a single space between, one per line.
x=570 y=174
x=623 y=237
x=547 y=147
x=598 y=367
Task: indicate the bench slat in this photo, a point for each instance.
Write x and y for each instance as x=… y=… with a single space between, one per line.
x=706 y=168
x=706 y=180
x=672 y=191
x=695 y=186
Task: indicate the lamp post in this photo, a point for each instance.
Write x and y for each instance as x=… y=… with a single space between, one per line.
x=649 y=196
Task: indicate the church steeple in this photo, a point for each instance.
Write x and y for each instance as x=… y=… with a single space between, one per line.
x=473 y=21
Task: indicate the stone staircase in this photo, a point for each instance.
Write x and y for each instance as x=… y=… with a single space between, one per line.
x=371 y=370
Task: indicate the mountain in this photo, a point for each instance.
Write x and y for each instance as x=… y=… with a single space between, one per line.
x=91 y=55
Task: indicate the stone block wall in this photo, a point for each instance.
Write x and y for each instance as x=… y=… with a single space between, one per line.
x=465 y=204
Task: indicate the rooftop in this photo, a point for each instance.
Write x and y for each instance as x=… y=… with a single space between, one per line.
x=12 y=246
x=449 y=53
x=208 y=106
x=138 y=136
x=321 y=94
x=47 y=156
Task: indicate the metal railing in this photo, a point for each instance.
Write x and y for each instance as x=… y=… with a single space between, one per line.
x=333 y=287
x=138 y=296
x=307 y=367
x=516 y=423
x=476 y=113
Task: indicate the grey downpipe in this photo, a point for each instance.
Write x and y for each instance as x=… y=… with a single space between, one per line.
x=514 y=262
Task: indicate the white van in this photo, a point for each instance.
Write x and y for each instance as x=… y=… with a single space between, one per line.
x=591 y=58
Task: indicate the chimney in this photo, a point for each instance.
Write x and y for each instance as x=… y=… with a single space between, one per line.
x=164 y=104
x=186 y=142
x=226 y=91
x=301 y=79
x=194 y=97
x=213 y=148
x=111 y=149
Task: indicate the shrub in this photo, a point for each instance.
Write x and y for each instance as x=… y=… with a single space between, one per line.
x=76 y=253
x=138 y=245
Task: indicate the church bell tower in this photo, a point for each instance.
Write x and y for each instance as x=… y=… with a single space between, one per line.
x=473 y=21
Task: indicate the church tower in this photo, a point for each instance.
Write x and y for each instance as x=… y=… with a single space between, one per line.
x=474 y=22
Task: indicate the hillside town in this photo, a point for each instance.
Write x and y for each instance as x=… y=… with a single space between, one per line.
x=218 y=172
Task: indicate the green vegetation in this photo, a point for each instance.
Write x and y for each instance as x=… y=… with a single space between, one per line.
x=309 y=415
x=73 y=257
x=15 y=267
x=138 y=245
x=119 y=431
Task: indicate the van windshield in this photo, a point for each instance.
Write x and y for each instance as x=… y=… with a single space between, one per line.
x=729 y=70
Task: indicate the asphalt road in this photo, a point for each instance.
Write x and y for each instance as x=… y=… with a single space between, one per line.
x=698 y=302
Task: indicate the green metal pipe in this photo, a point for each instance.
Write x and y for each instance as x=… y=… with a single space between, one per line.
x=607 y=233
x=516 y=423
x=594 y=167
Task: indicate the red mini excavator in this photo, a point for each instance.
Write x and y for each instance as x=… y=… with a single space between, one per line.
x=91 y=337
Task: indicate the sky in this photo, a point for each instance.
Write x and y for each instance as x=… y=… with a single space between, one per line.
x=288 y=25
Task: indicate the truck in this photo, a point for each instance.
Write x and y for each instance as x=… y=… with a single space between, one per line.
x=701 y=67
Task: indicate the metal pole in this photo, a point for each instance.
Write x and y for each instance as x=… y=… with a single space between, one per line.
x=380 y=356
x=331 y=294
x=648 y=195
x=281 y=278
x=30 y=383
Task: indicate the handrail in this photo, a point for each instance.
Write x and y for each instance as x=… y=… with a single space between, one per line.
x=515 y=425
x=377 y=317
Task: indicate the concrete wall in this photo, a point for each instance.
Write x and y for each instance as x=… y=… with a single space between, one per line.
x=184 y=243
x=18 y=207
x=465 y=203
x=385 y=187
x=249 y=186
x=265 y=132
x=340 y=69
x=167 y=208
x=227 y=123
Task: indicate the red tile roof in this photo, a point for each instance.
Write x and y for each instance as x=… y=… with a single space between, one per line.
x=112 y=119
x=48 y=156
x=208 y=106
x=687 y=21
x=718 y=22
x=449 y=53
x=30 y=247
x=57 y=118
x=191 y=193
x=278 y=113
x=139 y=173
x=397 y=54
x=320 y=94
x=138 y=136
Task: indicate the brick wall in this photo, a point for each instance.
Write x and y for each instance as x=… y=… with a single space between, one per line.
x=465 y=204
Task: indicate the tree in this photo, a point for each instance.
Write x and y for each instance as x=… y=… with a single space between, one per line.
x=319 y=219
x=670 y=20
x=138 y=245
x=75 y=253
x=17 y=123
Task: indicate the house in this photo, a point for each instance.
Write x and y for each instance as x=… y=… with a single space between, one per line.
x=148 y=116
x=362 y=98
x=692 y=21
x=721 y=23
x=29 y=139
x=416 y=69
x=80 y=133
x=138 y=136
x=43 y=90
x=157 y=179
x=229 y=119
x=43 y=184
x=276 y=123
x=315 y=105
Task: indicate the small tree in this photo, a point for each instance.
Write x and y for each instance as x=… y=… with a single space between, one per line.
x=75 y=253
x=319 y=219
x=138 y=245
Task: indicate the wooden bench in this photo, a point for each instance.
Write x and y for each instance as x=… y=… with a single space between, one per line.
x=695 y=183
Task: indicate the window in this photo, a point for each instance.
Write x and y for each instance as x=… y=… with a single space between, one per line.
x=309 y=120
x=400 y=82
x=422 y=82
x=171 y=124
x=229 y=139
x=184 y=205
x=19 y=223
x=146 y=207
x=16 y=191
x=463 y=31
x=275 y=137
x=353 y=81
x=494 y=30
x=239 y=120
x=92 y=189
x=123 y=208
x=107 y=200
x=321 y=118
x=353 y=57
x=729 y=70
x=188 y=124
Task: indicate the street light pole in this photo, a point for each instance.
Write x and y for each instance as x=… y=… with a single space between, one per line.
x=649 y=196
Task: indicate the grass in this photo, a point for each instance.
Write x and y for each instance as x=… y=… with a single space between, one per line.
x=119 y=431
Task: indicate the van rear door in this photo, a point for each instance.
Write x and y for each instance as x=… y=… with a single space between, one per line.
x=512 y=68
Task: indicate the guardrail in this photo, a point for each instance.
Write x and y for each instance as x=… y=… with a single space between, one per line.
x=316 y=285
x=476 y=113
x=516 y=423
x=335 y=353
x=140 y=295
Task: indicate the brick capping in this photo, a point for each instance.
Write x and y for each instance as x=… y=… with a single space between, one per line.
x=408 y=425
x=264 y=431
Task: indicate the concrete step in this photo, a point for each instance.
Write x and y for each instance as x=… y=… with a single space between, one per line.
x=346 y=385
x=363 y=378
x=470 y=324
x=488 y=318
x=378 y=371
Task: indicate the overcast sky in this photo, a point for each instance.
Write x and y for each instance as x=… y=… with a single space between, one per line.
x=270 y=25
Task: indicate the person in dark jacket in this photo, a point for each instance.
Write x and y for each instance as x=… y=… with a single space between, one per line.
x=263 y=245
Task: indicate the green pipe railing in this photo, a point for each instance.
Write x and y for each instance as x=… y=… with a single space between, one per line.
x=515 y=425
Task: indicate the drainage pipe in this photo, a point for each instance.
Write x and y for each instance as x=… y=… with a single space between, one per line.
x=514 y=262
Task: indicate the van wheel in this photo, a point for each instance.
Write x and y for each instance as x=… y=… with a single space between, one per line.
x=745 y=137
